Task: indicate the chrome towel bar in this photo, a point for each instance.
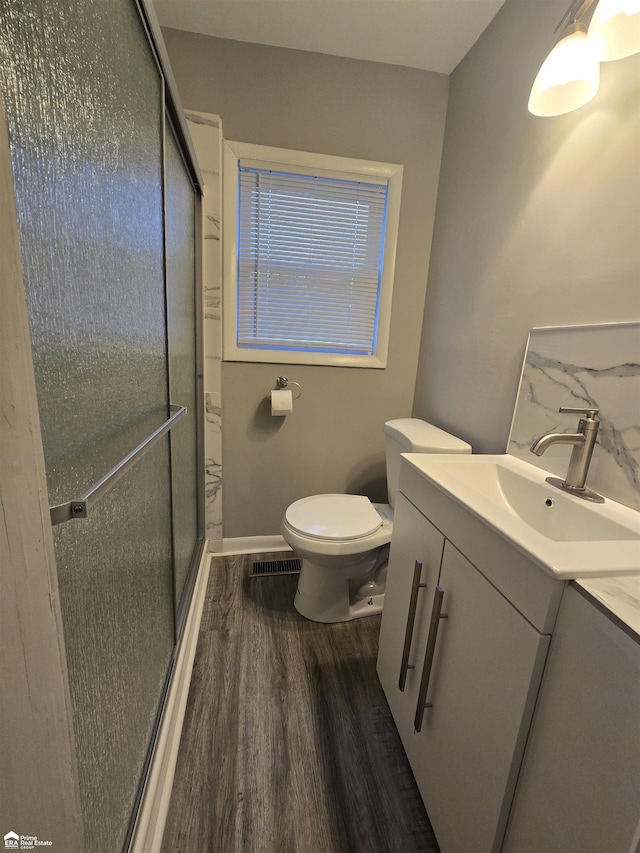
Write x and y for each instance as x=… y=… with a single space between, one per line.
x=79 y=508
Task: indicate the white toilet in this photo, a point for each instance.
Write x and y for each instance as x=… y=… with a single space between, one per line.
x=343 y=540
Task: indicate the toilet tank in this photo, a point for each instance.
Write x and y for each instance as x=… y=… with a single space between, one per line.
x=411 y=435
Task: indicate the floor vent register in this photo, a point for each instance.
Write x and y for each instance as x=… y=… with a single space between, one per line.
x=260 y=568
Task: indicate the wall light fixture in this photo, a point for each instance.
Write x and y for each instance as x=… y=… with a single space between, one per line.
x=570 y=75
x=615 y=29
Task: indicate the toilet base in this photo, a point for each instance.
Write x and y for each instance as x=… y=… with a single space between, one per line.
x=364 y=607
x=329 y=594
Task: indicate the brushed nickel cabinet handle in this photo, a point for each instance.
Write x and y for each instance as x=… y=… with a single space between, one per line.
x=416 y=586
x=436 y=616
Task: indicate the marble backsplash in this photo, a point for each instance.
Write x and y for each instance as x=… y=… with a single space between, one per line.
x=590 y=366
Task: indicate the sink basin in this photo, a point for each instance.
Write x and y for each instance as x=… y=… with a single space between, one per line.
x=561 y=516
x=566 y=535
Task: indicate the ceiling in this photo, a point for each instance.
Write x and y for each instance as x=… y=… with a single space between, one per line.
x=430 y=34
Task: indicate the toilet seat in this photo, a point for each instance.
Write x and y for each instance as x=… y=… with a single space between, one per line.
x=333 y=517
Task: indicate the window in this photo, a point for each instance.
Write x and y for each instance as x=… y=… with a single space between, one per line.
x=309 y=263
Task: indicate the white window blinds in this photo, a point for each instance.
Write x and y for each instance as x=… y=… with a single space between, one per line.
x=310 y=255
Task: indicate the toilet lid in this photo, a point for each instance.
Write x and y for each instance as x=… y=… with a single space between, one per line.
x=333 y=516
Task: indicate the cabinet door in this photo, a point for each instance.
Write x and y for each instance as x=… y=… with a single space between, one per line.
x=582 y=767
x=486 y=672
x=405 y=618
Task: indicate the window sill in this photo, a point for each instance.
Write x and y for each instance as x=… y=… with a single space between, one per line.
x=312 y=358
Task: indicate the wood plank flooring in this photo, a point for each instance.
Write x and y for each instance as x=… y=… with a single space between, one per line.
x=288 y=744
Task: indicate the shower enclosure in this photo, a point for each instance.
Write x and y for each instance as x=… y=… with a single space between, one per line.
x=108 y=213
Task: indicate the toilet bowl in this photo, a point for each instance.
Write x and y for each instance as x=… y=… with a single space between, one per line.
x=343 y=540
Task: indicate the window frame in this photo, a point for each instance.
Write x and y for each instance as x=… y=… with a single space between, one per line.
x=322 y=165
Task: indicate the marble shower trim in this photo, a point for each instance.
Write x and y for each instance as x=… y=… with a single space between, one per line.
x=596 y=366
x=206 y=134
x=213 y=467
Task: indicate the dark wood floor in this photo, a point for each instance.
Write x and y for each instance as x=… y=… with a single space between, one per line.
x=288 y=743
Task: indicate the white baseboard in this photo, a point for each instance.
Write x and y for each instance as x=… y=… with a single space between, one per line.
x=149 y=829
x=252 y=545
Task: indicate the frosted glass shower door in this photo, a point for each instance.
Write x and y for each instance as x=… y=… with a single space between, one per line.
x=85 y=110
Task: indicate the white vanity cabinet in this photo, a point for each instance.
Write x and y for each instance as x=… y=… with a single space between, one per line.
x=488 y=658
x=579 y=790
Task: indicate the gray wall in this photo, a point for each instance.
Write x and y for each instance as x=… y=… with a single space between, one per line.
x=333 y=442
x=538 y=223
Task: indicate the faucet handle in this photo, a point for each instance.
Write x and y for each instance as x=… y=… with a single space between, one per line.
x=589 y=412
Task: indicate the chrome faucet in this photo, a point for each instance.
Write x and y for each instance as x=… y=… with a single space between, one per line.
x=583 y=442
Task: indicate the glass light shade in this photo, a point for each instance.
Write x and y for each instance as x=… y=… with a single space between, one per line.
x=569 y=76
x=615 y=29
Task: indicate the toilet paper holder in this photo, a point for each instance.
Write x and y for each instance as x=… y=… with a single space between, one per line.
x=283 y=382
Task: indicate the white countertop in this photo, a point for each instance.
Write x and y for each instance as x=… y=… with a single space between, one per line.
x=595 y=545
x=620 y=595
x=566 y=536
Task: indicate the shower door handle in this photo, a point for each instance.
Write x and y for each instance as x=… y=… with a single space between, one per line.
x=79 y=508
x=416 y=586
x=436 y=616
